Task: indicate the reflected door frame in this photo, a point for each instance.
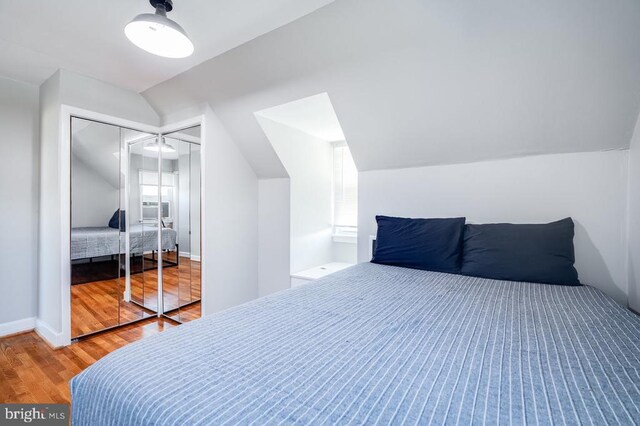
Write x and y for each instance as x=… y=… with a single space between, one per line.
x=173 y=128
x=190 y=140
x=62 y=337
x=127 y=291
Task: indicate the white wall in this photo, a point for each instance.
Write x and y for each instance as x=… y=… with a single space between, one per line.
x=634 y=221
x=308 y=160
x=589 y=187
x=49 y=240
x=345 y=252
x=231 y=221
x=94 y=199
x=95 y=95
x=274 y=229
x=19 y=141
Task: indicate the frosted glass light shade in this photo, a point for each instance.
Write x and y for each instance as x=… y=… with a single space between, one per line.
x=159 y=35
x=155 y=147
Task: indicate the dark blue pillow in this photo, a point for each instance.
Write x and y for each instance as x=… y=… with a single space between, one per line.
x=118 y=220
x=429 y=244
x=532 y=253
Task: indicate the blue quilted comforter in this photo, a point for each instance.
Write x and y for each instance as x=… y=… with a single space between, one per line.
x=379 y=344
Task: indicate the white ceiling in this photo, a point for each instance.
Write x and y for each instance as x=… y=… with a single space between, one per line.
x=422 y=82
x=86 y=36
x=313 y=115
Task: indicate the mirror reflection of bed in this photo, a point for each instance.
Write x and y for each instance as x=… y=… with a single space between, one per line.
x=128 y=210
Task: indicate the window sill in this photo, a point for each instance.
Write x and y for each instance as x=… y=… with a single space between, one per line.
x=348 y=239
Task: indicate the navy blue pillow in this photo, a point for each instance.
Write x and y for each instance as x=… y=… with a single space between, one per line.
x=532 y=253
x=429 y=244
x=118 y=220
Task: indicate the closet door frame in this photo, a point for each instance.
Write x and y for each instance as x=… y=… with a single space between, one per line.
x=67 y=113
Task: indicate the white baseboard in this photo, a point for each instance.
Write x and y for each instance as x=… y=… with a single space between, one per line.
x=19 y=326
x=193 y=257
x=53 y=338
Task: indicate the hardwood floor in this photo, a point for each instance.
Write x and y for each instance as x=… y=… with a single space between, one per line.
x=101 y=304
x=32 y=372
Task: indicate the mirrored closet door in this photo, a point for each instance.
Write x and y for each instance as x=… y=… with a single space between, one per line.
x=135 y=226
x=99 y=221
x=143 y=188
x=181 y=282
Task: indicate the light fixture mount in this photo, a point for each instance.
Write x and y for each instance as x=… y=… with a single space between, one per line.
x=157 y=34
x=166 y=5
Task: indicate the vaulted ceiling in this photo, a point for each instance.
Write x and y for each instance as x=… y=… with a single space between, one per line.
x=86 y=36
x=420 y=82
x=412 y=82
x=313 y=115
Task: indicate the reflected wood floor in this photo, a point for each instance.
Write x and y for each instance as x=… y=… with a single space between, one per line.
x=181 y=285
x=94 y=305
x=186 y=314
x=32 y=372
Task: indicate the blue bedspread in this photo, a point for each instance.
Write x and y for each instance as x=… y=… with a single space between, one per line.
x=380 y=344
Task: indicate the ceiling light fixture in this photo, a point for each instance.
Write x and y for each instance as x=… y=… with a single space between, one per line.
x=157 y=34
x=155 y=147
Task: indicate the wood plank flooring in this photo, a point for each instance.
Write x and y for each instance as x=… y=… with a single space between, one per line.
x=32 y=372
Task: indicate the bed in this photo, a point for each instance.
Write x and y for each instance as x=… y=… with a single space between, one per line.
x=381 y=344
x=91 y=242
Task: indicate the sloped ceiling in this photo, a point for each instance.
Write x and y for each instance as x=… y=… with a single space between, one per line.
x=421 y=82
x=313 y=115
x=100 y=147
x=97 y=145
x=86 y=36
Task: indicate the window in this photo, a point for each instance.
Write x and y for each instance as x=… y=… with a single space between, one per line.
x=345 y=195
x=149 y=195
